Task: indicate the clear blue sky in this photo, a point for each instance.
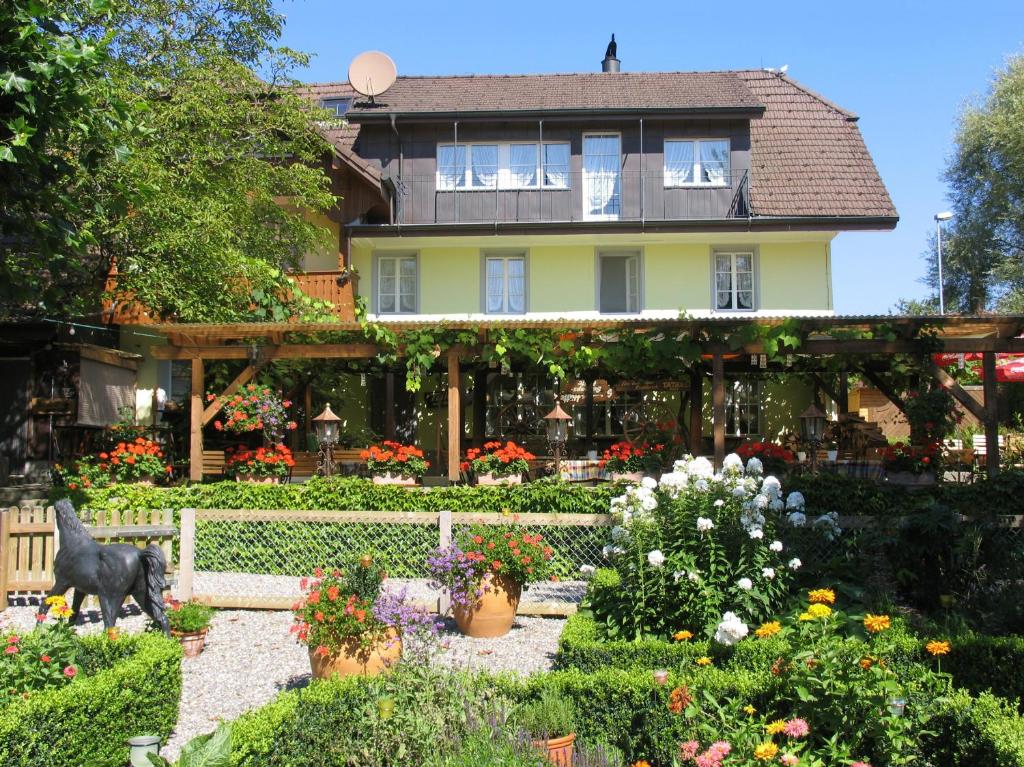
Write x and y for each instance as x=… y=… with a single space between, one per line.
x=906 y=67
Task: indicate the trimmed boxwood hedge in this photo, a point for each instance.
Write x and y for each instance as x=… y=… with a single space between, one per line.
x=983 y=730
x=126 y=688
x=988 y=664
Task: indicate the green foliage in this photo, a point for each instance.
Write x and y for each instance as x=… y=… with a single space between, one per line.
x=128 y=686
x=189 y=617
x=550 y=716
x=984 y=664
x=967 y=731
x=40 y=660
x=210 y=750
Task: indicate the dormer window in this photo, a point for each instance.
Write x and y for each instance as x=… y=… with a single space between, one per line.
x=696 y=162
x=336 y=106
x=518 y=165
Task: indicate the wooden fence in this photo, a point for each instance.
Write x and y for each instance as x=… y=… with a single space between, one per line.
x=29 y=542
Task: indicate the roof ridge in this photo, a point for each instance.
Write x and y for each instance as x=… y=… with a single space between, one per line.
x=815 y=95
x=501 y=75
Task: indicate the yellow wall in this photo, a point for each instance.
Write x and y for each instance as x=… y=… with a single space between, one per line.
x=795 y=275
x=561 y=278
x=677 y=276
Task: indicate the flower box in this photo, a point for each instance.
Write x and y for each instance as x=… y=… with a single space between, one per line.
x=394 y=479
x=258 y=480
x=627 y=476
x=490 y=479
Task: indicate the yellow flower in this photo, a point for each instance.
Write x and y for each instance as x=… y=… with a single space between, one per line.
x=822 y=597
x=768 y=629
x=682 y=636
x=876 y=623
x=938 y=648
x=774 y=728
x=749 y=710
x=56 y=601
x=704 y=660
x=765 y=752
x=819 y=610
x=806 y=617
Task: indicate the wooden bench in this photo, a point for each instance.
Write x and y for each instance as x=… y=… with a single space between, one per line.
x=213 y=463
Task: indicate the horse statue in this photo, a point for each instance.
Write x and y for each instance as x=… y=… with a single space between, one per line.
x=112 y=572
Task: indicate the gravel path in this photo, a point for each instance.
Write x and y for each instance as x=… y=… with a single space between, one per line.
x=250 y=657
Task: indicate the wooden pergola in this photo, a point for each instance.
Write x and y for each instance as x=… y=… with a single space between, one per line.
x=262 y=343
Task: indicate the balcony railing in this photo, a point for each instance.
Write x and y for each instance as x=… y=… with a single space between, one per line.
x=580 y=197
x=323 y=286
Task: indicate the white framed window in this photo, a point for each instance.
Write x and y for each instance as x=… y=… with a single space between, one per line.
x=696 y=162
x=618 y=283
x=743 y=407
x=602 y=170
x=733 y=289
x=397 y=284
x=515 y=165
x=338 y=106
x=505 y=284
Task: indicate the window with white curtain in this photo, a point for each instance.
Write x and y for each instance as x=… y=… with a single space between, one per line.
x=743 y=407
x=734 y=281
x=519 y=165
x=505 y=283
x=602 y=167
x=696 y=162
x=396 y=284
x=619 y=283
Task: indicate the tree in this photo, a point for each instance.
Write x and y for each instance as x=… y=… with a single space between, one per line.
x=983 y=254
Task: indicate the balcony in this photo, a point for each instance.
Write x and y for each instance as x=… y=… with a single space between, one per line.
x=585 y=197
x=323 y=286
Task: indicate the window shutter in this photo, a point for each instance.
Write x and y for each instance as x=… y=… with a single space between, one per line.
x=103 y=390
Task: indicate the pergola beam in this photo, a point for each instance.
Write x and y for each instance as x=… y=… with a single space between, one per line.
x=247 y=374
x=988 y=365
x=954 y=388
x=267 y=353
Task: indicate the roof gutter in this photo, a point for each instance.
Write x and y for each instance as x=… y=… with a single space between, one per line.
x=381 y=114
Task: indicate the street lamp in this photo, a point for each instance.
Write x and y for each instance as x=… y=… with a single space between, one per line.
x=557 y=426
x=327 y=431
x=939 y=219
x=812 y=421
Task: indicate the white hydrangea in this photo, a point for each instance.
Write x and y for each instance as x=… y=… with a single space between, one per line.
x=701 y=485
x=704 y=525
x=760 y=502
x=587 y=570
x=732 y=464
x=745 y=583
x=719 y=503
x=606 y=552
x=619 y=533
x=649 y=482
x=731 y=629
x=795 y=501
x=828 y=524
x=771 y=487
x=678 y=575
x=693 y=576
x=682 y=465
x=776 y=504
x=673 y=483
x=739 y=491
x=754 y=466
x=768 y=572
x=756 y=533
x=775 y=546
x=656 y=558
x=701 y=468
x=795 y=564
x=797 y=518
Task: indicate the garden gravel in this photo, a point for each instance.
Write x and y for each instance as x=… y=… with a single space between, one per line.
x=250 y=657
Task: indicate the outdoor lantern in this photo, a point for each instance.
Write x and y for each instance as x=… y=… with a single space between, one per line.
x=557 y=425
x=813 y=422
x=897 y=706
x=140 y=747
x=327 y=426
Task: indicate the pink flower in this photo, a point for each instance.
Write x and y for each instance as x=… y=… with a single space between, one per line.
x=12 y=649
x=790 y=760
x=796 y=728
x=70 y=672
x=40 y=617
x=707 y=760
x=720 y=749
x=688 y=750
x=13 y=639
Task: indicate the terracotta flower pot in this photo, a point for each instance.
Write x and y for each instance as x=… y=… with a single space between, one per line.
x=627 y=476
x=352 y=659
x=394 y=479
x=493 y=613
x=490 y=479
x=192 y=642
x=559 y=751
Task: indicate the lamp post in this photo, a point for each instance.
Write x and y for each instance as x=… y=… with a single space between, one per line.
x=812 y=421
x=557 y=426
x=327 y=430
x=939 y=219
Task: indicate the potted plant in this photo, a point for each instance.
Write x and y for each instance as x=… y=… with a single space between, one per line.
x=350 y=624
x=550 y=722
x=392 y=463
x=775 y=459
x=909 y=465
x=484 y=574
x=264 y=465
x=189 y=622
x=624 y=460
x=497 y=463
x=254 y=408
x=140 y=461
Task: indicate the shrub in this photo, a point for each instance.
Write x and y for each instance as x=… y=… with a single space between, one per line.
x=128 y=686
x=967 y=731
x=188 y=617
x=983 y=664
x=550 y=716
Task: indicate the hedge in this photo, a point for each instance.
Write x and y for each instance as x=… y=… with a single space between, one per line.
x=988 y=664
x=983 y=730
x=128 y=687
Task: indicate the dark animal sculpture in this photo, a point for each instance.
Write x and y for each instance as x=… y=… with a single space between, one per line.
x=612 y=49
x=111 y=572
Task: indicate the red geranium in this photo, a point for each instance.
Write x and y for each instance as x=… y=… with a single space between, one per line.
x=395 y=458
x=498 y=459
x=626 y=457
x=272 y=461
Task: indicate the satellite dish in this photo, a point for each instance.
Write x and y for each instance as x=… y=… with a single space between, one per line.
x=371 y=73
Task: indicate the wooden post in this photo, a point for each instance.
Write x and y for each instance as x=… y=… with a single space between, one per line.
x=589 y=413
x=454 y=417
x=718 y=407
x=186 y=554
x=5 y=554
x=844 y=393
x=988 y=363
x=444 y=523
x=696 y=409
x=479 y=405
x=308 y=406
x=389 y=405
x=195 y=453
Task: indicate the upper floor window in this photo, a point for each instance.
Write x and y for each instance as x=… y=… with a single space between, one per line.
x=743 y=407
x=338 y=106
x=696 y=162
x=734 y=281
x=618 y=277
x=520 y=165
x=505 y=284
x=397 y=278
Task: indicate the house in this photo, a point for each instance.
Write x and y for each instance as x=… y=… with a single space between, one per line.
x=511 y=200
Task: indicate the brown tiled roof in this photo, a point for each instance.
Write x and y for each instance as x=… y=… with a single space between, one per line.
x=653 y=91
x=808 y=157
x=340 y=133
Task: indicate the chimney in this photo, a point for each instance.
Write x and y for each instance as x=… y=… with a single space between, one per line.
x=610 y=63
